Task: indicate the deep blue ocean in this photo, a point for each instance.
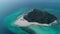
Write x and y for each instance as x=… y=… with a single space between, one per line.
x=9 y=7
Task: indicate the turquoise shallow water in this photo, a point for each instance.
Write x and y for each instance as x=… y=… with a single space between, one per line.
x=7 y=9
x=9 y=23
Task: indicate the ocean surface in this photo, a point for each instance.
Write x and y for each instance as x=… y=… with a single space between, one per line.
x=11 y=7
